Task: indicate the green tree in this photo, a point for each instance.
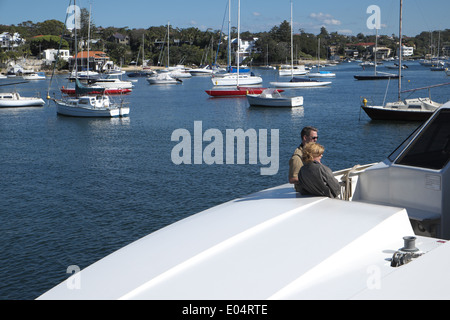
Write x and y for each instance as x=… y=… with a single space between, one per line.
x=42 y=43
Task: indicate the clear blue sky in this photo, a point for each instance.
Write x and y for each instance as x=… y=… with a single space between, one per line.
x=346 y=17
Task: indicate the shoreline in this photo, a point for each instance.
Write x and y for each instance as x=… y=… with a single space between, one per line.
x=37 y=68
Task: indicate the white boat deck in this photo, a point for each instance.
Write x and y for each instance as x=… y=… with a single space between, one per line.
x=273 y=244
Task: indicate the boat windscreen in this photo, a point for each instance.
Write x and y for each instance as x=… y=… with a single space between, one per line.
x=431 y=148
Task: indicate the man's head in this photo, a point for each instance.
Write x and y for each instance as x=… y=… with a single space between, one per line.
x=309 y=134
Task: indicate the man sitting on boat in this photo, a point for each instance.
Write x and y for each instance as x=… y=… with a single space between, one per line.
x=308 y=134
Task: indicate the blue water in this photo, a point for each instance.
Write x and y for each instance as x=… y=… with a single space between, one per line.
x=74 y=190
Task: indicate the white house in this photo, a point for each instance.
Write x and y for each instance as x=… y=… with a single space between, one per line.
x=49 y=55
x=247 y=47
x=9 y=40
x=407 y=51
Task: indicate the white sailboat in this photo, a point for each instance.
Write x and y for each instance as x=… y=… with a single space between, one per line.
x=295 y=82
x=237 y=79
x=86 y=106
x=164 y=77
x=376 y=75
x=319 y=73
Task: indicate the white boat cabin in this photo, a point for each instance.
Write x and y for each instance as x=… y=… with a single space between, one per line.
x=416 y=177
x=99 y=102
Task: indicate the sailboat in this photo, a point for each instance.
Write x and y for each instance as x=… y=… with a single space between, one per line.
x=418 y=109
x=164 y=77
x=236 y=79
x=85 y=105
x=145 y=72
x=232 y=82
x=376 y=75
x=320 y=74
x=297 y=82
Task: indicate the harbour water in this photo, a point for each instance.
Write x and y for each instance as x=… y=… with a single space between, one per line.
x=74 y=190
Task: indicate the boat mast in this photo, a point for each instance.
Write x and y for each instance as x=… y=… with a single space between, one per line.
x=229 y=35
x=376 y=49
x=168 y=52
x=89 y=38
x=318 y=54
x=292 y=48
x=238 y=40
x=400 y=53
x=76 y=44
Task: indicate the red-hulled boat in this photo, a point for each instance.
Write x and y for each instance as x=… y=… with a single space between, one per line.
x=235 y=92
x=109 y=91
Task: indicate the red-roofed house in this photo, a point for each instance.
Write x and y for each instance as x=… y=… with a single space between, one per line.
x=97 y=60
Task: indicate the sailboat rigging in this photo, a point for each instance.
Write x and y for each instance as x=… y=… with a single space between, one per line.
x=377 y=75
x=320 y=74
x=84 y=104
x=232 y=82
x=236 y=79
x=418 y=109
x=297 y=82
x=165 y=77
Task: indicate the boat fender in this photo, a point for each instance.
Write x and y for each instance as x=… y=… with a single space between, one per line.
x=406 y=254
x=365 y=102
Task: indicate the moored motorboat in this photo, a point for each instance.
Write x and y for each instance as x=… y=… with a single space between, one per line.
x=34 y=76
x=14 y=100
x=203 y=71
x=322 y=74
x=163 y=78
x=272 y=98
